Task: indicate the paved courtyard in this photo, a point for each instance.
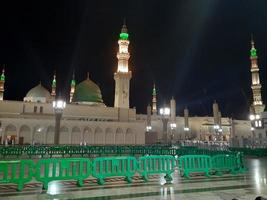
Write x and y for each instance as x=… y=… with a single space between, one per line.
x=241 y=186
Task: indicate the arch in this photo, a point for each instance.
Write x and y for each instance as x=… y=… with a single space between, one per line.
x=25 y=135
x=64 y=137
x=38 y=135
x=99 y=136
x=119 y=137
x=129 y=136
x=75 y=135
x=88 y=136
x=50 y=135
x=109 y=136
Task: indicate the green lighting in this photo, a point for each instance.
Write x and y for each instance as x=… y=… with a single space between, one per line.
x=124 y=36
x=154 y=91
x=73 y=83
x=2 y=78
x=54 y=83
x=253 y=52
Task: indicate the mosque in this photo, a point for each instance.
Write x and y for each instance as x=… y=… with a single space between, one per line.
x=87 y=120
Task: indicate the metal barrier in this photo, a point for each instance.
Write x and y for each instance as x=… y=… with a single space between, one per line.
x=194 y=163
x=156 y=165
x=62 y=169
x=104 y=167
x=18 y=172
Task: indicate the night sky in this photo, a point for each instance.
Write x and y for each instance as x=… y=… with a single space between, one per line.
x=196 y=51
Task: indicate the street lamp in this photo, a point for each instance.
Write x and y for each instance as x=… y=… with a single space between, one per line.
x=165 y=113
x=58 y=106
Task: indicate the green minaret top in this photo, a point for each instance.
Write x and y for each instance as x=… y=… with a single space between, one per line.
x=54 y=82
x=2 y=78
x=73 y=82
x=154 y=93
x=253 y=50
x=124 y=32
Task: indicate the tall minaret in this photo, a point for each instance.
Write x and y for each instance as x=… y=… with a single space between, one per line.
x=256 y=85
x=72 y=87
x=123 y=75
x=154 y=100
x=54 y=86
x=2 y=85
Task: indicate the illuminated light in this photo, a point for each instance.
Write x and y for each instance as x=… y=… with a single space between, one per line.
x=173 y=125
x=59 y=104
x=122 y=69
x=252 y=117
x=148 y=128
x=53 y=188
x=165 y=111
x=253 y=52
x=257 y=117
x=260 y=124
x=186 y=129
x=124 y=36
x=216 y=126
x=256 y=123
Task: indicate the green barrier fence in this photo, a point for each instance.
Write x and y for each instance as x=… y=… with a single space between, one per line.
x=18 y=172
x=224 y=163
x=104 y=167
x=81 y=151
x=156 y=165
x=48 y=170
x=194 y=163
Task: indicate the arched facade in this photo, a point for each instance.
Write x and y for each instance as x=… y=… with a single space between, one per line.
x=109 y=136
x=99 y=136
x=50 y=133
x=129 y=137
x=64 y=137
x=76 y=135
x=119 y=136
x=25 y=136
x=88 y=136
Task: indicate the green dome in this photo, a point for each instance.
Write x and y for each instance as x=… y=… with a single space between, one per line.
x=87 y=92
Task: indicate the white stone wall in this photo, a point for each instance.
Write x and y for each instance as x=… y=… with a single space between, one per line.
x=41 y=131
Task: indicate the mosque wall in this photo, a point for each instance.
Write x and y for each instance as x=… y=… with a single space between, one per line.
x=41 y=131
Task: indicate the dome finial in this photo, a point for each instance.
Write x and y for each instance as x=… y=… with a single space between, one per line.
x=252 y=41
x=124 y=27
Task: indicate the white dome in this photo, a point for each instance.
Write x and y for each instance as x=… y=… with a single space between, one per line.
x=38 y=94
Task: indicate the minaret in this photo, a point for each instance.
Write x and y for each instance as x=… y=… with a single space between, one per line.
x=123 y=75
x=2 y=85
x=72 y=87
x=173 y=110
x=54 y=86
x=154 y=100
x=256 y=85
x=215 y=109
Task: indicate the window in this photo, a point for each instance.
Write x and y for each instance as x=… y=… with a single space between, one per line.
x=260 y=123
x=35 y=109
x=256 y=123
x=41 y=109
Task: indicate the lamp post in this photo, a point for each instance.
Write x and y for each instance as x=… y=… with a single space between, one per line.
x=165 y=113
x=58 y=106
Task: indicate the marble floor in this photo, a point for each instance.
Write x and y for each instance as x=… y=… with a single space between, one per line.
x=242 y=187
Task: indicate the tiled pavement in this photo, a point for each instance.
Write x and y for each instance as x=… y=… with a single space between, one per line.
x=242 y=187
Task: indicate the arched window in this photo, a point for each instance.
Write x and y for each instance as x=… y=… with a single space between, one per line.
x=35 y=109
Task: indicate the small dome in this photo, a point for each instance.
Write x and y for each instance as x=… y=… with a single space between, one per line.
x=38 y=94
x=87 y=92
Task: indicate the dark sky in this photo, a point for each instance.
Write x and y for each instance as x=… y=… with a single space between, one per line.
x=194 y=50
